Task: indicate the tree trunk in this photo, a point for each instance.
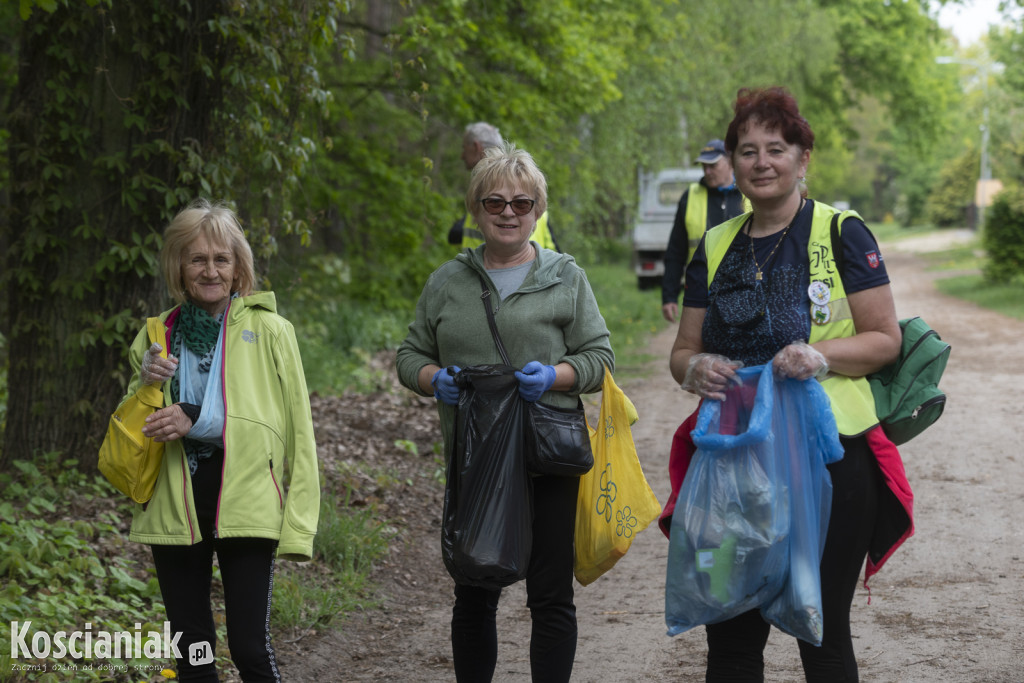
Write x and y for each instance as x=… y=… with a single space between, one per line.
x=63 y=385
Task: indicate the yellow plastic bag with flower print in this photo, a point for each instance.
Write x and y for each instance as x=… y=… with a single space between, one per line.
x=615 y=502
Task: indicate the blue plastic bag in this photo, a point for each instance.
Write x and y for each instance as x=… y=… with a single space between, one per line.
x=806 y=442
x=753 y=510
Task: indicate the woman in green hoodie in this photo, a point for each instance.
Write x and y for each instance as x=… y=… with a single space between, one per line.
x=236 y=413
x=549 y=322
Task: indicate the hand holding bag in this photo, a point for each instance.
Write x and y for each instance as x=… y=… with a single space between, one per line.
x=129 y=460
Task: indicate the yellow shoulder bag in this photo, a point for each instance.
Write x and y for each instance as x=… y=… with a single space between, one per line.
x=129 y=460
x=615 y=502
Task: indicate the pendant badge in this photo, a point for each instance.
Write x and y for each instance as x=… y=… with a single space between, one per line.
x=820 y=313
x=819 y=293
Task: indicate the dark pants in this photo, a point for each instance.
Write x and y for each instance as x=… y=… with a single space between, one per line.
x=736 y=646
x=247 y=572
x=549 y=594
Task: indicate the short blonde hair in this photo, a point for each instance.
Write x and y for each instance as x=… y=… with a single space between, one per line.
x=503 y=165
x=218 y=224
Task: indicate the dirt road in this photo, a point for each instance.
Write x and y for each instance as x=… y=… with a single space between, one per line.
x=947 y=607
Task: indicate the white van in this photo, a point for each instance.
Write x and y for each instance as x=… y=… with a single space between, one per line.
x=656 y=210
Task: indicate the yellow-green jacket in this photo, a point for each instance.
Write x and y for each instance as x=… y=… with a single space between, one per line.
x=268 y=427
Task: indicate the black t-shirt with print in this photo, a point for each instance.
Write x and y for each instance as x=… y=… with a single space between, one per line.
x=750 y=320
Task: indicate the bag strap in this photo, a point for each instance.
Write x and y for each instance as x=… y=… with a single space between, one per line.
x=157 y=333
x=486 y=298
x=837 y=254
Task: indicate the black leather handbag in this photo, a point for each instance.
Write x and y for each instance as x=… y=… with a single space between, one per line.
x=557 y=439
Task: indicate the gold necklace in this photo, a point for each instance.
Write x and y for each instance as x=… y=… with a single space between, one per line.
x=760 y=273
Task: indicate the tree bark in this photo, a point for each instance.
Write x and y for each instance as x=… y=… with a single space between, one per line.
x=61 y=394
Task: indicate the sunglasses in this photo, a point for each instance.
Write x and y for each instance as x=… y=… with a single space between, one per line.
x=496 y=205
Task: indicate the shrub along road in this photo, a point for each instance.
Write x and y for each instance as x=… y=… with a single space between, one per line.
x=946 y=607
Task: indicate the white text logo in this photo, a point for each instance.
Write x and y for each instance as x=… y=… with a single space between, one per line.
x=89 y=644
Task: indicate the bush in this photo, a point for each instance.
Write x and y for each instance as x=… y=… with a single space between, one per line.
x=954 y=191
x=1003 y=237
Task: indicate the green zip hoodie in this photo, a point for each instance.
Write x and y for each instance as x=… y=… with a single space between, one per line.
x=553 y=317
x=268 y=427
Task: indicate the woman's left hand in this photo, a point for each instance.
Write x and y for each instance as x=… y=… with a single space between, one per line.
x=167 y=424
x=534 y=379
x=800 y=361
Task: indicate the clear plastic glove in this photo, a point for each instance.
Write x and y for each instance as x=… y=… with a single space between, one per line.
x=534 y=379
x=156 y=369
x=444 y=385
x=709 y=375
x=800 y=360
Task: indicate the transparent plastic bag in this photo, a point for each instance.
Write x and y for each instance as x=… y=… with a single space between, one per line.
x=728 y=546
x=806 y=441
x=753 y=511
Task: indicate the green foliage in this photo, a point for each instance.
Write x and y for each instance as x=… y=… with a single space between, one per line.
x=61 y=571
x=336 y=124
x=122 y=113
x=338 y=332
x=954 y=191
x=3 y=385
x=1003 y=237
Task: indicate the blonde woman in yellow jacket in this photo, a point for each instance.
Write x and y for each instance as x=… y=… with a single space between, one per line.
x=236 y=417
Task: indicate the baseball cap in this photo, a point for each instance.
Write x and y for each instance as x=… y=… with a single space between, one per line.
x=712 y=152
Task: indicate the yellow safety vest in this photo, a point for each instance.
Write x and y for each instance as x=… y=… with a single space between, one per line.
x=697 y=216
x=852 y=401
x=473 y=238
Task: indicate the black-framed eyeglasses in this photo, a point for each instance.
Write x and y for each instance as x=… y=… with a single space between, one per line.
x=496 y=205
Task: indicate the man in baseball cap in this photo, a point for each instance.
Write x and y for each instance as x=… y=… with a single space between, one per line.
x=704 y=205
x=711 y=153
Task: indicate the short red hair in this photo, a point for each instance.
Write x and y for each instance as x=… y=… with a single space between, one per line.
x=776 y=109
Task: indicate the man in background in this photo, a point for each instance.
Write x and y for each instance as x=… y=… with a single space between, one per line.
x=703 y=205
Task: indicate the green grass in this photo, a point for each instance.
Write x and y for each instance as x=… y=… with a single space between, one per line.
x=1006 y=299
x=348 y=542
x=893 y=232
x=633 y=316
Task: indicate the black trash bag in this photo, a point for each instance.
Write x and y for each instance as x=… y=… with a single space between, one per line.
x=488 y=498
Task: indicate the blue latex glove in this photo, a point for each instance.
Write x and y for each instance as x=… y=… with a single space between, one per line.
x=534 y=379
x=444 y=385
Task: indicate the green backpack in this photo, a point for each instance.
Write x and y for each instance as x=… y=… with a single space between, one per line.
x=907 y=395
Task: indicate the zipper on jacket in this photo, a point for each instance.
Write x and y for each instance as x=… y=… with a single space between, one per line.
x=273 y=478
x=224 y=402
x=185 y=480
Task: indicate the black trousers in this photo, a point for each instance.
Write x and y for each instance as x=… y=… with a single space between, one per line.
x=247 y=572
x=736 y=646
x=549 y=595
